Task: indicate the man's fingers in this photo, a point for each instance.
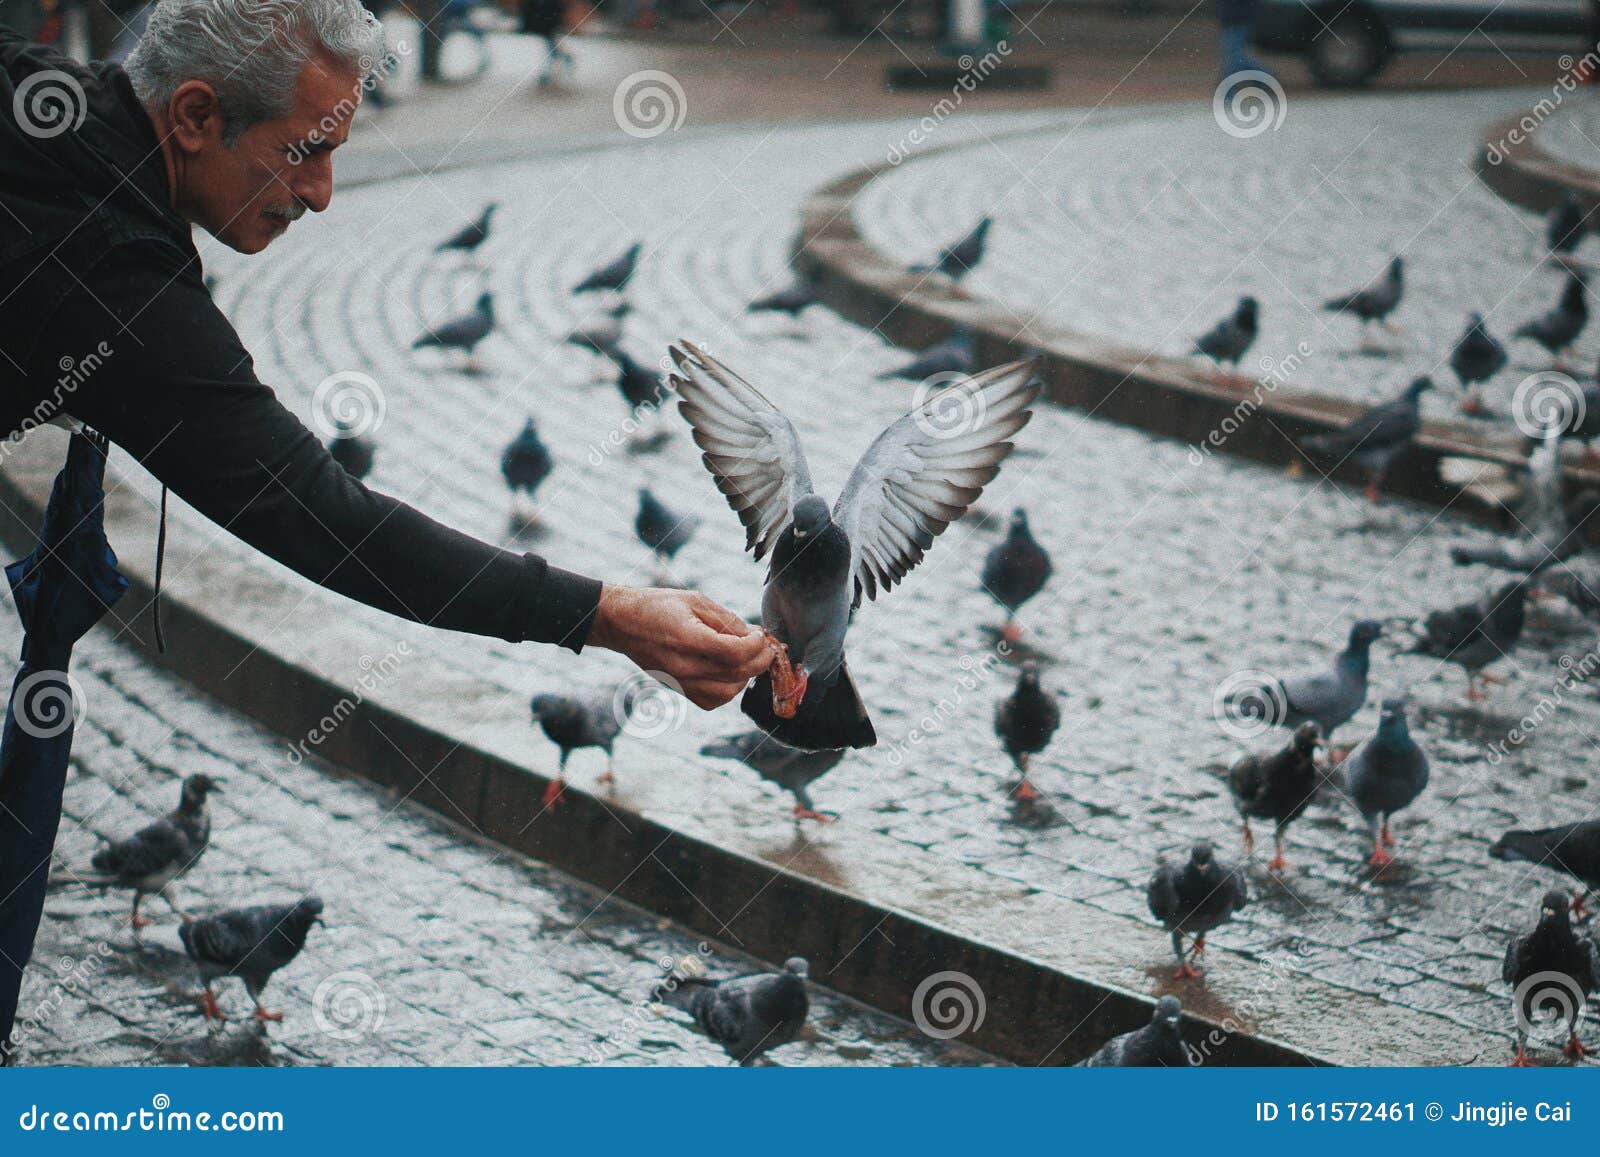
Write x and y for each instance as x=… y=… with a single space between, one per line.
x=719 y=617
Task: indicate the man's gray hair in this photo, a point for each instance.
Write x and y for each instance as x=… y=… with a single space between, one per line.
x=250 y=51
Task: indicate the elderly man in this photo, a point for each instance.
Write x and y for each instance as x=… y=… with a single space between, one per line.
x=227 y=116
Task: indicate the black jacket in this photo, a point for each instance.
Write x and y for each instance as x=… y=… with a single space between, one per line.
x=100 y=277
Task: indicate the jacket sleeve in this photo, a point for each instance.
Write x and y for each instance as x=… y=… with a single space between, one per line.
x=177 y=390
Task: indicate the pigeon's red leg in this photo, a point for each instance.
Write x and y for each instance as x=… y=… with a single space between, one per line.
x=1521 y=1061
x=1199 y=946
x=263 y=1014
x=801 y=812
x=1012 y=632
x=1278 y=863
x=788 y=681
x=1383 y=834
x=1249 y=839
x=1472 y=404
x=1025 y=791
x=1575 y=1048
x=1187 y=971
x=1372 y=491
x=137 y=921
x=610 y=773
x=209 y=1005
x=552 y=794
x=1578 y=910
x=1380 y=858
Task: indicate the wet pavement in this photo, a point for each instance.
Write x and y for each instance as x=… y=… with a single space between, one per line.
x=437 y=949
x=1148 y=233
x=1172 y=574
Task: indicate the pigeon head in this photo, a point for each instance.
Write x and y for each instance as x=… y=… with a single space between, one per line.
x=486 y=302
x=1168 y=1013
x=309 y=909
x=798 y=965
x=549 y=706
x=1418 y=387
x=1474 y=321
x=1397 y=267
x=810 y=517
x=1392 y=719
x=1248 y=309
x=1554 y=906
x=1019 y=521
x=1511 y=595
x=1307 y=737
x=1362 y=632
x=195 y=790
x=1201 y=855
x=1029 y=677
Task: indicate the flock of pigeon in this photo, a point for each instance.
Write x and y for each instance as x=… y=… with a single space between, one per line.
x=913 y=481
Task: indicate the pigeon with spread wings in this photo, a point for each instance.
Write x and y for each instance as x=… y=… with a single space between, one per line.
x=919 y=476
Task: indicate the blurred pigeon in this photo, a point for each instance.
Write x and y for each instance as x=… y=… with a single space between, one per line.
x=1277 y=787
x=1195 y=898
x=1015 y=571
x=956 y=354
x=792 y=299
x=604 y=332
x=1231 y=338
x=776 y=762
x=1328 y=698
x=1375 y=302
x=1551 y=530
x=1552 y=966
x=471 y=236
x=614 y=275
x=158 y=854
x=747 y=1015
x=1565 y=226
x=1570 y=848
x=462 y=333
x=640 y=386
x=1560 y=327
x=662 y=530
x=1385 y=775
x=351 y=450
x=525 y=464
x=1158 y=1044
x=1026 y=721
x=1583 y=419
x=957 y=261
x=1576 y=581
x=571 y=722
x=1475 y=358
x=250 y=943
x=1473 y=635
x=1374 y=437
x=912 y=482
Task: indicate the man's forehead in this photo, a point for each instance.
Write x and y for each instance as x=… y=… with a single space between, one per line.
x=326 y=89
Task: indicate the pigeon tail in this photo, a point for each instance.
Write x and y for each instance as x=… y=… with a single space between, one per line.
x=832 y=717
x=678 y=991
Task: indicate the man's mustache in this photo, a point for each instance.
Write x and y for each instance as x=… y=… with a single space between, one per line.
x=286 y=213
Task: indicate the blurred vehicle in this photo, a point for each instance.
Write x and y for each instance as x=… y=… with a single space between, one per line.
x=1348 y=43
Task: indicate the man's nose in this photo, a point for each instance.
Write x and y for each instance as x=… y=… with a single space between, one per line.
x=313 y=184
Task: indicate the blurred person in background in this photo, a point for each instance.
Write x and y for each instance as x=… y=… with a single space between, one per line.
x=1237 y=20
x=547 y=19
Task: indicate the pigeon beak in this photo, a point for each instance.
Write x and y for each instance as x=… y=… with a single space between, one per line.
x=798 y=533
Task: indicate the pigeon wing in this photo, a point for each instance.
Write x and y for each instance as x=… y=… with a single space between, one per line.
x=748 y=445
x=148 y=851
x=919 y=477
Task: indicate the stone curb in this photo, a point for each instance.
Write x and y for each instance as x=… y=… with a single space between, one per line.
x=1530 y=177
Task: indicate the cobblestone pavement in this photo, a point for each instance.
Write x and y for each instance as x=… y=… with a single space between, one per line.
x=437 y=950
x=1172 y=574
x=1149 y=235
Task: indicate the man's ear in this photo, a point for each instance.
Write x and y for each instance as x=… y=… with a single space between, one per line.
x=195 y=116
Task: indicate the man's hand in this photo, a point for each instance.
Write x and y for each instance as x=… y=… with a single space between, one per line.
x=709 y=650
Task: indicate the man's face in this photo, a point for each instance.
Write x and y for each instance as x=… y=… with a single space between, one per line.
x=247 y=194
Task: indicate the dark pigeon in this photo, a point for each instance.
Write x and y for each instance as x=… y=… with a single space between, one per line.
x=792 y=299
x=958 y=260
x=1374 y=302
x=748 y=1016
x=1015 y=571
x=1277 y=787
x=614 y=275
x=776 y=762
x=1565 y=226
x=1158 y=1044
x=462 y=333
x=1328 y=698
x=526 y=462
x=1475 y=358
x=956 y=354
x=1560 y=327
x=1385 y=775
x=662 y=530
x=353 y=451
x=602 y=334
x=158 y=854
x=1552 y=966
x=1375 y=437
x=572 y=722
x=1570 y=848
x=1476 y=634
x=1583 y=419
x=913 y=481
x=250 y=943
x=1025 y=721
x=640 y=386
x=1231 y=338
x=471 y=236
x=1194 y=898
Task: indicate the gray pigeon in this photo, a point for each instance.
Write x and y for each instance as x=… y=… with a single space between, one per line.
x=1385 y=775
x=1558 y=328
x=353 y=451
x=472 y=235
x=603 y=333
x=1375 y=302
x=956 y=354
x=1014 y=571
x=747 y=1015
x=1157 y=1045
x=791 y=299
x=1565 y=226
x=1551 y=967
x=1374 y=437
x=957 y=261
x=1193 y=899
x=912 y=482
x=250 y=943
x=1026 y=721
x=1476 y=357
x=663 y=531
x=1329 y=698
x=464 y=332
x=1478 y=633
x=158 y=854
x=776 y=762
x=614 y=275
x=1231 y=338
x=571 y=722
x=1570 y=848
x=1277 y=787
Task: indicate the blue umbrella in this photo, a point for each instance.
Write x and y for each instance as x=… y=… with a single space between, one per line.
x=61 y=590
